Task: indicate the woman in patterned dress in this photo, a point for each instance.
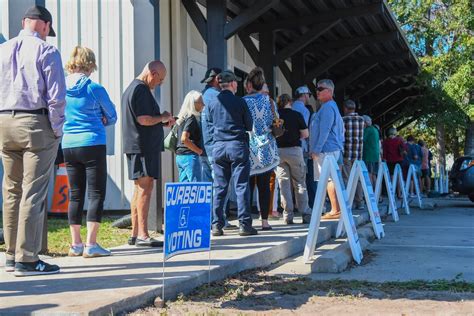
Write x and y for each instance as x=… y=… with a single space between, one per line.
x=263 y=147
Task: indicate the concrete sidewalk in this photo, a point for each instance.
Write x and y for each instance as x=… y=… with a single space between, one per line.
x=426 y=245
x=132 y=277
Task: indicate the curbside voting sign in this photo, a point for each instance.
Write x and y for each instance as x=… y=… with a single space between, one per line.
x=187 y=218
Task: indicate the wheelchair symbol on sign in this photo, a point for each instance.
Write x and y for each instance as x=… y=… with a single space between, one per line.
x=183 y=217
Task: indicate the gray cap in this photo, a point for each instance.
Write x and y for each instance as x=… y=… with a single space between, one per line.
x=227 y=76
x=303 y=90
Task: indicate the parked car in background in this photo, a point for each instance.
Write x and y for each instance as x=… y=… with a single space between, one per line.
x=461 y=176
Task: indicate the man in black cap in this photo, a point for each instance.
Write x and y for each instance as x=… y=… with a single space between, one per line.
x=33 y=91
x=231 y=120
x=209 y=94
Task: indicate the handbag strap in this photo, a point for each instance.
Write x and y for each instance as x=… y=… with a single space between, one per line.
x=272 y=105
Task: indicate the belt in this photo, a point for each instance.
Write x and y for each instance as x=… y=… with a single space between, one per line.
x=43 y=111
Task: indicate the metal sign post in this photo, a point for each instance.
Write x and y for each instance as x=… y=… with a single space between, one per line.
x=360 y=174
x=398 y=180
x=384 y=174
x=330 y=172
x=413 y=176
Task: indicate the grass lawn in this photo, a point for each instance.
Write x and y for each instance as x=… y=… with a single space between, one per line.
x=59 y=237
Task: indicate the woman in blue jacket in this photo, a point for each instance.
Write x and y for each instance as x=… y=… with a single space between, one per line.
x=88 y=110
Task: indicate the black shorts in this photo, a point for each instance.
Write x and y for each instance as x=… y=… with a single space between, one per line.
x=143 y=165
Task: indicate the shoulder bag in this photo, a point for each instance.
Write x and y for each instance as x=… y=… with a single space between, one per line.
x=277 y=124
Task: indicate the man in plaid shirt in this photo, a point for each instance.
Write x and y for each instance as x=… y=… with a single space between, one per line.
x=353 y=142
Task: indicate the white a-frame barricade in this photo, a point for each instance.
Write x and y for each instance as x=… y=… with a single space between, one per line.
x=331 y=170
x=412 y=175
x=398 y=180
x=360 y=174
x=384 y=174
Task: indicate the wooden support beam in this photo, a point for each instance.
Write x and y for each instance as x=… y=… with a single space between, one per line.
x=359 y=60
x=327 y=64
x=298 y=69
x=328 y=16
x=367 y=40
x=371 y=86
x=394 y=89
x=403 y=112
x=247 y=16
x=312 y=88
x=304 y=40
x=250 y=47
x=411 y=120
x=395 y=105
x=216 y=43
x=196 y=16
x=287 y=73
x=266 y=57
x=347 y=80
x=381 y=78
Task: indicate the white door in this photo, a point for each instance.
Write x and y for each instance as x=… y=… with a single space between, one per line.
x=196 y=74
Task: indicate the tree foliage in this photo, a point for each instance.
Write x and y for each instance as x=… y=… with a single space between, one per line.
x=440 y=33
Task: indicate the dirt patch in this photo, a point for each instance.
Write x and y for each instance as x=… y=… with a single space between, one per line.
x=256 y=293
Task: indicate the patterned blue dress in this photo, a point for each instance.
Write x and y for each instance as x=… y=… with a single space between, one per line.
x=263 y=147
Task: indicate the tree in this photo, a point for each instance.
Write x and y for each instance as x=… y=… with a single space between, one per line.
x=441 y=34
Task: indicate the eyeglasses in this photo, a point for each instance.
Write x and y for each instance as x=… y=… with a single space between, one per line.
x=319 y=89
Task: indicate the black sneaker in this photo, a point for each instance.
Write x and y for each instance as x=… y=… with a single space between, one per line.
x=35 y=268
x=132 y=240
x=247 y=231
x=217 y=231
x=9 y=265
x=148 y=242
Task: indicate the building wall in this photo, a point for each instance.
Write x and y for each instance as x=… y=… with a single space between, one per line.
x=106 y=27
x=3 y=20
x=103 y=26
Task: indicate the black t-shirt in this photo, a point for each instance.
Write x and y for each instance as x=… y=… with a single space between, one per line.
x=293 y=124
x=190 y=125
x=137 y=100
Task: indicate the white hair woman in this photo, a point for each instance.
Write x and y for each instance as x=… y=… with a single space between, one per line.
x=189 y=146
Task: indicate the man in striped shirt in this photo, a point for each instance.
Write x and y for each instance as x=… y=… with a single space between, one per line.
x=353 y=144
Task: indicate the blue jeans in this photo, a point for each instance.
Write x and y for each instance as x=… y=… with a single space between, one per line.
x=206 y=169
x=229 y=192
x=231 y=161
x=189 y=168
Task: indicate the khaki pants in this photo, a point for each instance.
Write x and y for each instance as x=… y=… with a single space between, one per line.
x=346 y=171
x=28 y=148
x=292 y=171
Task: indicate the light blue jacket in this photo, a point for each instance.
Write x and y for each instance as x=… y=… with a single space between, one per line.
x=299 y=107
x=326 y=131
x=208 y=96
x=87 y=103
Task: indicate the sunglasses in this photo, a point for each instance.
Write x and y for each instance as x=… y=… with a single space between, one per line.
x=319 y=89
